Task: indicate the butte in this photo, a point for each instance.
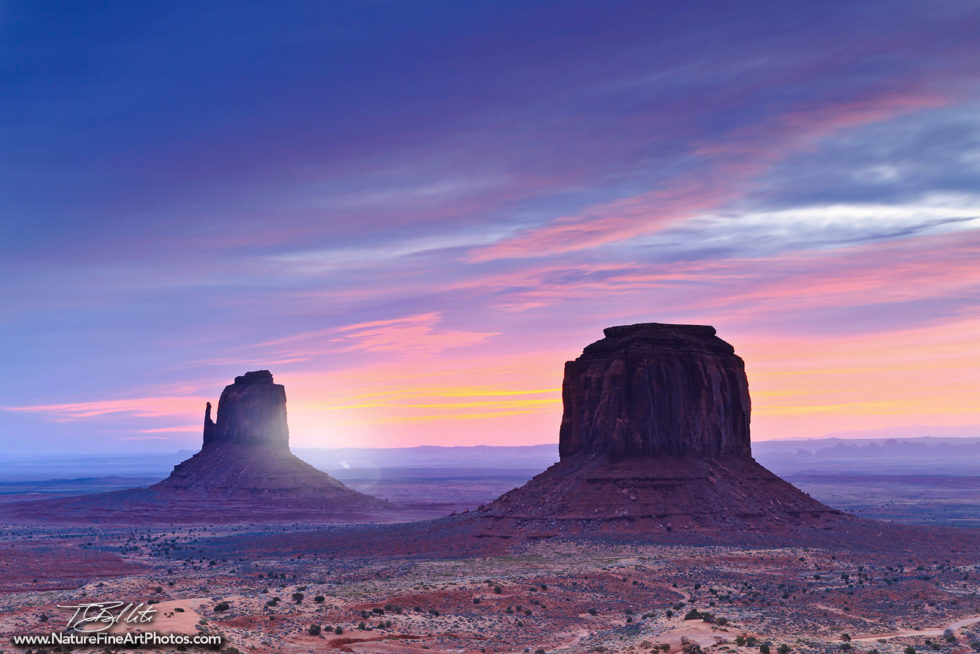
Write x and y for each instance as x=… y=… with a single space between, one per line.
x=654 y=438
x=243 y=473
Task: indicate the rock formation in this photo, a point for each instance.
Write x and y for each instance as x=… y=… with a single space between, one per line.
x=243 y=473
x=656 y=390
x=252 y=411
x=655 y=438
x=246 y=457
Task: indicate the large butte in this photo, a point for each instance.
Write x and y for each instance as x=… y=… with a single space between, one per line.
x=655 y=438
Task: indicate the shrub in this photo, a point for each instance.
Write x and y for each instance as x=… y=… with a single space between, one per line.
x=593 y=611
x=297 y=597
x=764 y=648
x=221 y=606
x=319 y=599
x=693 y=614
x=338 y=629
x=909 y=649
x=314 y=630
x=783 y=649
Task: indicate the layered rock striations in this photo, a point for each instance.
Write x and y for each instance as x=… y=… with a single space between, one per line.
x=655 y=438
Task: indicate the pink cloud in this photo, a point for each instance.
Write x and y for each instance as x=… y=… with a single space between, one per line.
x=609 y=222
x=142 y=407
x=418 y=334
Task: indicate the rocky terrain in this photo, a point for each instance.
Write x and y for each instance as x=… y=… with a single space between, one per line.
x=561 y=596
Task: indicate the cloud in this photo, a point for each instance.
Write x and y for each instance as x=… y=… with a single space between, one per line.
x=407 y=335
x=729 y=162
x=140 y=407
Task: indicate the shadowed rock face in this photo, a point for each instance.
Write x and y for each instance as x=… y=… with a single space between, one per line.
x=252 y=411
x=656 y=389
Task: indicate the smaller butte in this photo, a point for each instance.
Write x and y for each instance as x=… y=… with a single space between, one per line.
x=244 y=473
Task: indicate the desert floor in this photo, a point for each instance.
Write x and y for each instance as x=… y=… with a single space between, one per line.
x=550 y=596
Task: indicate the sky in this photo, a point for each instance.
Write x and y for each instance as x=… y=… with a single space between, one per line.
x=413 y=213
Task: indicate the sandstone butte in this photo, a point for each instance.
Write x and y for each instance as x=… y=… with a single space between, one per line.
x=244 y=472
x=655 y=438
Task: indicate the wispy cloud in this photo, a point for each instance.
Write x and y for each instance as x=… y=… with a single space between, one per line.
x=140 y=407
x=730 y=161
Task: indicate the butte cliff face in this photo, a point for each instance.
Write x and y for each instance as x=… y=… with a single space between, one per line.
x=656 y=390
x=655 y=438
x=252 y=411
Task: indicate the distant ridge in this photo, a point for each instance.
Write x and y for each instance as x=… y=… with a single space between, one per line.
x=916 y=455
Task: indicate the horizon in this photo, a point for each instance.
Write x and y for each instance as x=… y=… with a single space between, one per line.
x=414 y=214
x=183 y=452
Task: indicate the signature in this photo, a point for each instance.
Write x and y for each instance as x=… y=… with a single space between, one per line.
x=99 y=616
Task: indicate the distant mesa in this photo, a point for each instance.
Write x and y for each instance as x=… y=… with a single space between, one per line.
x=655 y=438
x=243 y=473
